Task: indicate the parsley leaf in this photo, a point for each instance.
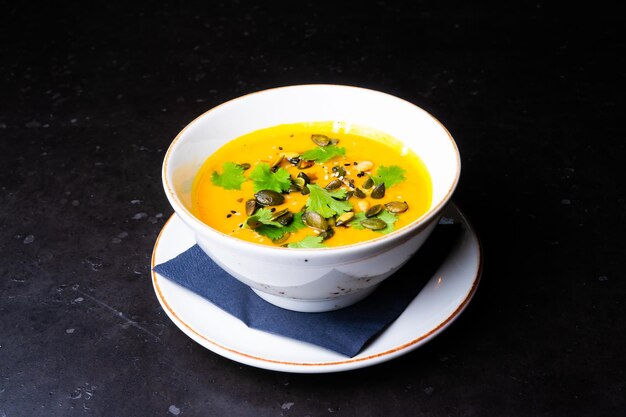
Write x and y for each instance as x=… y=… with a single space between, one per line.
x=323 y=201
x=384 y=215
x=276 y=232
x=231 y=177
x=265 y=179
x=308 y=243
x=323 y=154
x=271 y=232
x=263 y=216
x=390 y=175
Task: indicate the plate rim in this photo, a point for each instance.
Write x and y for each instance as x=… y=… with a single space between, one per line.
x=315 y=367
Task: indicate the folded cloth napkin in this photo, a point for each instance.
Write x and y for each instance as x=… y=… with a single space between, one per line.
x=345 y=331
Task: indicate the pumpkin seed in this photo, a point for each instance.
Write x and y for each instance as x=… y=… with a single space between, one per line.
x=374 y=210
x=251 y=207
x=304 y=164
x=253 y=223
x=374 y=224
x=305 y=190
x=292 y=157
x=305 y=177
x=320 y=140
x=269 y=198
x=315 y=220
x=298 y=182
x=369 y=183
x=339 y=171
x=327 y=234
x=282 y=239
x=274 y=166
x=285 y=219
x=278 y=213
x=359 y=193
x=345 y=218
x=397 y=206
x=333 y=185
x=378 y=191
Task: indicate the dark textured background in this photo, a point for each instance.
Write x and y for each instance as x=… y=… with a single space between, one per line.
x=92 y=95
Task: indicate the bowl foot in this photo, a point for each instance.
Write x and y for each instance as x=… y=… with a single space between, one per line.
x=315 y=306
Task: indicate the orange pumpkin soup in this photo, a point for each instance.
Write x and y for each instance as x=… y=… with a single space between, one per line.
x=311 y=185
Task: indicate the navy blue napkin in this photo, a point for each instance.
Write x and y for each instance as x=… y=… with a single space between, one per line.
x=345 y=331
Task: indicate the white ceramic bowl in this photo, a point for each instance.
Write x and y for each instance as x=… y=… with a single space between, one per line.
x=312 y=280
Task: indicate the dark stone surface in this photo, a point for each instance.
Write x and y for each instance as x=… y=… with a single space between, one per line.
x=91 y=96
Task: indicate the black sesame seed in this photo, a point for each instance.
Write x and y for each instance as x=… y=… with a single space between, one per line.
x=233 y=211
x=241 y=225
x=273 y=209
x=347 y=165
x=229 y=215
x=356 y=163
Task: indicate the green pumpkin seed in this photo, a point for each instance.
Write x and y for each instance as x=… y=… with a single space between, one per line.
x=278 y=213
x=305 y=177
x=274 y=166
x=269 y=198
x=373 y=224
x=298 y=182
x=285 y=219
x=253 y=223
x=369 y=183
x=292 y=157
x=334 y=184
x=305 y=190
x=282 y=239
x=397 y=206
x=304 y=164
x=345 y=218
x=251 y=207
x=315 y=220
x=359 y=193
x=339 y=171
x=374 y=210
x=378 y=191
x=327 y=234
x=320 y=140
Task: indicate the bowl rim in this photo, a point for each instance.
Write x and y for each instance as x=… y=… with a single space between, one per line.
x=372 y=244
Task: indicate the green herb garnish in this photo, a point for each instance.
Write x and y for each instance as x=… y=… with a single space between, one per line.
x=276 y=232
x=390 y=175
x=265 y=179
x=384 y=215
x=324 y=201
x=263 y=216
x=323 y=154
x=309 y=242
x=231 y=177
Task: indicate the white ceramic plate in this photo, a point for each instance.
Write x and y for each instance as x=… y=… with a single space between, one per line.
x=439 y=303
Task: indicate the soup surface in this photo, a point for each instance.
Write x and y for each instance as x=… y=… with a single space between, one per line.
x=311 y=185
